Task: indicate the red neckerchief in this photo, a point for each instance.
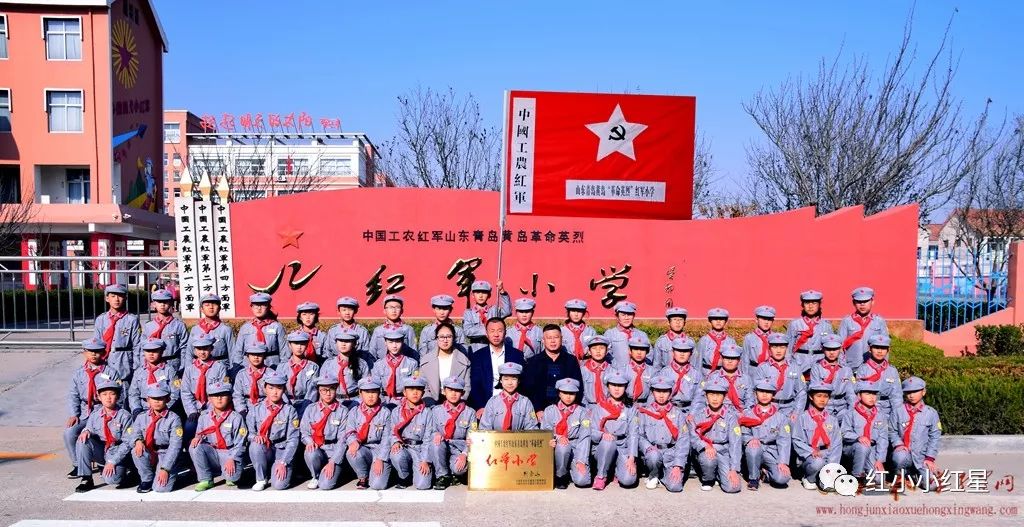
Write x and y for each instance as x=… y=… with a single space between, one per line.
x=342 y=364
x=310 y=351
x=201 y=381
x=209 y=324
x=733 y=395
x=509 y=400
x=151 y=370
x=318 y=427
x=759 y=416
x=628 y=331
x=154 y=418
x=90 y=390
x=912 y=412
x=681 y=371
x=453 y=416
x=577 y=337
x=879 y=370
x=806 y=334
x=407 y=415
x=638 y=382
x=269 y=421
x=259 y=324
x=614 y=409
x=820 y=435
x=254 y=383
x=108 y=334
x=598 y=373
x=392 y=325
x=763 y=335
x=368 y=414
x=481 y=311
x=863 y=322
x=295 y=374
x=392 y=362
x=108 y=437
x=215 y=428
x=562 y=427
x=719 y=337
x=781 y=367
x=704 y=427
x=831 y=368
x=662 y=414
x=523 y=330
x=161 y=323
x=869 y=417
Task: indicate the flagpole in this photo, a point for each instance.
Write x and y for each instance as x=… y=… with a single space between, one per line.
x=504 y=181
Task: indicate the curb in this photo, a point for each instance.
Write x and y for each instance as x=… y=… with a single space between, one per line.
x=978 y=444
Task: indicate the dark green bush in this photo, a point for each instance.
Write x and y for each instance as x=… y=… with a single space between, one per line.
x=1000 y=340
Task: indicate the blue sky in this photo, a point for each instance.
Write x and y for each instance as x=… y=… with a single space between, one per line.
x=351 y=59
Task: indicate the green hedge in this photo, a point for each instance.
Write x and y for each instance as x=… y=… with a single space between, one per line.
x=1000 y=340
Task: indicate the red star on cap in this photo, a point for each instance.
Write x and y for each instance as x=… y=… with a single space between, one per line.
x=290 y=237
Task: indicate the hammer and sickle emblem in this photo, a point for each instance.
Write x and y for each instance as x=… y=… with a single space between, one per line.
x=294 y=284
x=617 y=133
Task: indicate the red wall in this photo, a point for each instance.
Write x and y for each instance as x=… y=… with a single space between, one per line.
x=736 y=263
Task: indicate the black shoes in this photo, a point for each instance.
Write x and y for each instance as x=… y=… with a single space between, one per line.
x=363 y=484
x=73 y=473
x=753 y=484
x=86 y=485
x=561 y=483
x=442 y=482
x=144 y=487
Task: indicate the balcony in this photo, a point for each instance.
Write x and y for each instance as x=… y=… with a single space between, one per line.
x=62 y=185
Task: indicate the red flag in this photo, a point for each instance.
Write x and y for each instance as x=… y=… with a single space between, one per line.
x=599 y=155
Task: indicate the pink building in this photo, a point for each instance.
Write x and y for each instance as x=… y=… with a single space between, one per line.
x=81 y=107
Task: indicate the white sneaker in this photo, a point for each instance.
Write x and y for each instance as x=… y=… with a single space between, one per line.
x=312 y=485
x=707 y=487
x=652 y=483
x=808 y=485
x=259 y=485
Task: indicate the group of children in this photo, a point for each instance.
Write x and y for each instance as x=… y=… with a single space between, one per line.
x=781 y=405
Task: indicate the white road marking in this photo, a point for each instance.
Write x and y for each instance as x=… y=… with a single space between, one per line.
x=168 y=523
x=267 y=496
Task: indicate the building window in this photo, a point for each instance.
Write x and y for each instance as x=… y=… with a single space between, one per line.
x=165 y=160
x=172 y=133
x=10 y=184
x=165 y=245
x=78 y=185
x=340 y=166
x=248 y=166
x=3 y=36
x=290 y=166
x=245 y=195
x=176 y=159
x=177 y=175
x=5 y=110
x=65 y=109
x=177 y=192
x=63 y=38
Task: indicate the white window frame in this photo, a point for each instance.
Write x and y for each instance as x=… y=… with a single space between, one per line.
x=6 y=35
x=85 y=181
x=177 y=130
x=252 y=162
x=10 y=109
x=81 y=36
x=328 y=161
x=46 y=108
x=300 y=166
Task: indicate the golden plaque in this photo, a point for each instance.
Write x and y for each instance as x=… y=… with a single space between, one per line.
x=511 y=460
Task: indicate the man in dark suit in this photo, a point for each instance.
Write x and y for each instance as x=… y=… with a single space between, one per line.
x=484 y=362
x=546 y=368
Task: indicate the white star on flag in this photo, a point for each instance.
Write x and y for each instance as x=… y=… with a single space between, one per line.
x=616 y=135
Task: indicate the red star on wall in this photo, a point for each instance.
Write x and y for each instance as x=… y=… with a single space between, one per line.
x=290 y=237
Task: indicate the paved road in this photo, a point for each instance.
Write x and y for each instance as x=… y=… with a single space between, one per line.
x=35 y=489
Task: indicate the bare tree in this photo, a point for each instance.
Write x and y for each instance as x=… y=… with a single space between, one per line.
x=442 y=142
x=847 y=137
x=14 y=220
x=703 y=173
x=260 y=166
x=727 y=206
x=990 y=213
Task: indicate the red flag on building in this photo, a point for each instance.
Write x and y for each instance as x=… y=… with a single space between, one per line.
x=599 y=155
